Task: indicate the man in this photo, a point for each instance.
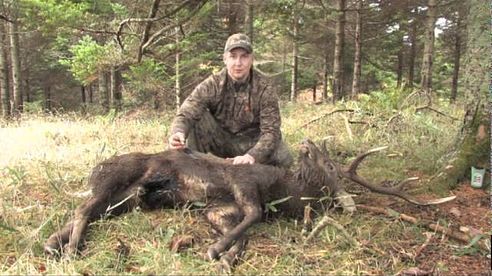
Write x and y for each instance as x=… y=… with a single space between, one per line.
x=233 y=114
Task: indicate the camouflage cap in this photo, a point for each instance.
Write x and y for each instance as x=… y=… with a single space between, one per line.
x=238 y=41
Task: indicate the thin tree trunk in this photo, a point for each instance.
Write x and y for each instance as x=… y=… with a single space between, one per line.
x=47 y=99
x=177 y=85
x=426 y=72
x=324 y=93
x=27 y=88
x=16 y=67
x=250 y=18
x=337 y=89
x=103 y=90
x=91 y=93
x=83 y=99
x=457 y=56
x=399 y=69
x=114 y=87
x=4 y=76
x=295 y=49
x=411 y=55
x=82 y=94
x=357 y=57
x=118 y=94
x=232 y=19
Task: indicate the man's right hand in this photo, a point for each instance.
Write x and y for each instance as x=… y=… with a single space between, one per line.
x=177 y=140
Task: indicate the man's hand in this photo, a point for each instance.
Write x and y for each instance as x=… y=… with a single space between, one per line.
x=177 y=140
x=242 y=159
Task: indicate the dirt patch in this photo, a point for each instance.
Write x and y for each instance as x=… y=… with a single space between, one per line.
x=469 y=213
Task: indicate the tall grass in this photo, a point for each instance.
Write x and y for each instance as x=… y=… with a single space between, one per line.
x=45 y=161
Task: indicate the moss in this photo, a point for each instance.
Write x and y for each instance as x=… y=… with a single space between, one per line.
x=470 y=153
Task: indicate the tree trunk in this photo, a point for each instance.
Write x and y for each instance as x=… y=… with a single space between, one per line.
x=115 y=88
x=457 y=57
x=16 y=67
x=426 y=72
x=411 y=55
x=337 y=87
x=473 y=142
x=83 y=99
x=91 y=93
x=324 y=93
x=47 y=99
x=177 y=73
x=4 y=76
x=357 y=59
x=103 y=90
x=148 y=25
x=27 y=88
x=295 y=49
x=250 y=18
x=232 y=19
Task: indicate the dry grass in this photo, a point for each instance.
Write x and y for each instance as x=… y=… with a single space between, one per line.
x=45 y=162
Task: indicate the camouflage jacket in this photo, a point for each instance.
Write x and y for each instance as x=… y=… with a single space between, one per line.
x=249 y=109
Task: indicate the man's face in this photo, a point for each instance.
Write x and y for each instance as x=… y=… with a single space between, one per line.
x=238 y=62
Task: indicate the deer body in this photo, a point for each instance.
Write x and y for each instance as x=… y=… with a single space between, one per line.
x=235 y=194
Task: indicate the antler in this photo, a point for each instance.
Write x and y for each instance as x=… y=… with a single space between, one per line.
x=350 y=172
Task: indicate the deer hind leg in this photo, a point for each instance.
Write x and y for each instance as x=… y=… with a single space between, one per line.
x=247 y=201
x=224 y=217
x=69 y=238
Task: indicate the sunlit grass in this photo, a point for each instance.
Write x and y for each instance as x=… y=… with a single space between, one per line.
x=45 y=161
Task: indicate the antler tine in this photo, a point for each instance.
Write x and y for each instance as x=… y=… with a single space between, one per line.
x=351 y=173
x=353 y=166
x=323 y=147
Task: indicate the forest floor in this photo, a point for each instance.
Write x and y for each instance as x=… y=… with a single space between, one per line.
x=470 y=212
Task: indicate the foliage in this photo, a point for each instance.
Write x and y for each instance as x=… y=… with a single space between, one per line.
x=86 y=59
x=145 y=80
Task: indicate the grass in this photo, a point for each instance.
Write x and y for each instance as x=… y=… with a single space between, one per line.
x=45 y=162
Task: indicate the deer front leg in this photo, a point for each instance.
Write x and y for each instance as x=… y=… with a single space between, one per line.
x=224 y=217
x=252 y=214
x=57 y=240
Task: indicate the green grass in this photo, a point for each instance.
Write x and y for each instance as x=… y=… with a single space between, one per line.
x=45 y=162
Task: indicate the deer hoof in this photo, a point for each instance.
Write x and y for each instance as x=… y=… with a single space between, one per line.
x=212 y=253
x=224 y=266
x=51 y=250
x=69 y=251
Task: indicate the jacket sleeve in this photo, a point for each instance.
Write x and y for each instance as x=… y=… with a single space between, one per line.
x=194 y=106
x=269 y=126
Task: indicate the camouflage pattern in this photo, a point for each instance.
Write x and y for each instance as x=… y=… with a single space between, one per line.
x=229 y=119
x=238 y=41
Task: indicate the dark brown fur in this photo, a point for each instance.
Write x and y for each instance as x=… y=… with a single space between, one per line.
x=235 y=194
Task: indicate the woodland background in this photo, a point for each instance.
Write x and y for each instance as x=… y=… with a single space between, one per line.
x=85 y=55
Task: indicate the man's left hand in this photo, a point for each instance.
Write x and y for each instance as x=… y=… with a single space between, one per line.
x=242 y=159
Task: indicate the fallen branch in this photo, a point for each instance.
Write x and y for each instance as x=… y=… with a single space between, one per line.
x=424 y=245
x=325 y=221
x=430 y=225
x=420 y=108
x=327 y=114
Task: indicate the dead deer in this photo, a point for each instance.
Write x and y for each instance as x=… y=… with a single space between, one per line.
x=235 y=194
